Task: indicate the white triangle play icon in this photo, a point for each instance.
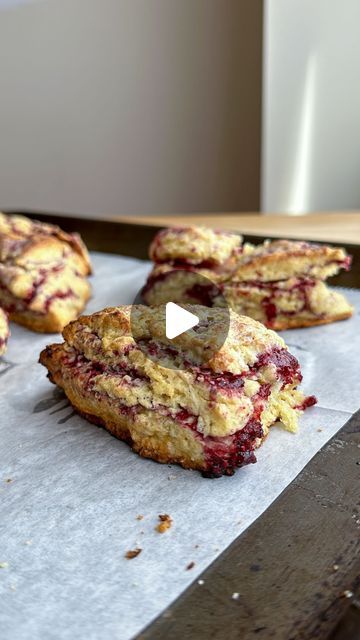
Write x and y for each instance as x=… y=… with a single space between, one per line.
x=178 y=320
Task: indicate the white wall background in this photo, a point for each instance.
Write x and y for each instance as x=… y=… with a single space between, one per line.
x=129 y=106
x=311 y=116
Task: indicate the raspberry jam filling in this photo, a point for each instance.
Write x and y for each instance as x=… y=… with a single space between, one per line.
x=223 y=455
x=89 y=369
x=226 y=382
x=286 y=365
x=301 y=289
x=58 y=295
x=346 y=263
x=203 y=294
x=12 y=304
x=309 y=401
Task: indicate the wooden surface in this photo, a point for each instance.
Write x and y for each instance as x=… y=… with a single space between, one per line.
x=332 y=227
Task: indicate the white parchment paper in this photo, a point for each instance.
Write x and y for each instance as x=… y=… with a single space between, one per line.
x=69 y=513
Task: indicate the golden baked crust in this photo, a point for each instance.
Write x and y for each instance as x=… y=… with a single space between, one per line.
x=43 y=273
x=4 y=331
x=19 y=236
x=206 y=416
x=279 y=283
x=194 y=245
x=283 y=259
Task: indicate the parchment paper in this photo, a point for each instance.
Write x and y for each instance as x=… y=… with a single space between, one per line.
x=69 y=512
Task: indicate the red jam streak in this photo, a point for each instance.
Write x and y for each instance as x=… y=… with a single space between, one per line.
x=22 y=304
x=206 y=294
x=287 y=366
x=223 y=455
x=309 y=401
x=203 y=294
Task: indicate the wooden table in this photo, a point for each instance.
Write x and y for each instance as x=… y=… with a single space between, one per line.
x=338 y=226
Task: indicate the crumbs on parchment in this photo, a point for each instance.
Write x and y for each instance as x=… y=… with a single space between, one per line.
x=133 y=553
x=191 y=565
x=164 y=524
x=140 y=517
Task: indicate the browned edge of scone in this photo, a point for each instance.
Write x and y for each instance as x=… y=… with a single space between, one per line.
x=49 y=358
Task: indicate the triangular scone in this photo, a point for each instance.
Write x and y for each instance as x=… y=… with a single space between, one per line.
x=279 y=283
x=4 y=331
x=206 y=416
x=43 y=273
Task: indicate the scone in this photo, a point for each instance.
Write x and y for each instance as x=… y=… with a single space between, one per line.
x=206 y=416
x=198 y=246
x=43 y=273
x=4 y=331
x=279 y=283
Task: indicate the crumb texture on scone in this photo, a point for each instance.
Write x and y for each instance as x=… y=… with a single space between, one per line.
x=43 y=273
x=194 y=245
x=4 y=331
x=207 y=416
x=280 y=283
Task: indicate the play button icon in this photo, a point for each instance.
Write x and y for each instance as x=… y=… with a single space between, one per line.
x=178 y=320
x=187 y=324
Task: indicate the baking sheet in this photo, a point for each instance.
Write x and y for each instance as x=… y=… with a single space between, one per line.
x=69 y=512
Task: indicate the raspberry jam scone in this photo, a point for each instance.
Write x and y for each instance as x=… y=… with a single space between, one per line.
x=195 y=246
x=43 y=273
x=279 y=283
x=206 y=416
x=4 y=331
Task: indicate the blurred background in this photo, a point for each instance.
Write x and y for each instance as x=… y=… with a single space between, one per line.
x=139 y=107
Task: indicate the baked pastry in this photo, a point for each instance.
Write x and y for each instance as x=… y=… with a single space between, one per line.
x=279 y=283
x=4 y=331
x=43 y=273
x=198 y=246
x=207 y=416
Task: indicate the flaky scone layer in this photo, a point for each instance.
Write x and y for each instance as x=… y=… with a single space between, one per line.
x=43 y=273
x=4 y=331
x=204 y=415
x=284 y=259
x=282 y=304
x=194 y=245
x=289 y=303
